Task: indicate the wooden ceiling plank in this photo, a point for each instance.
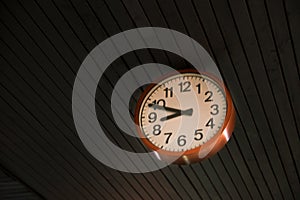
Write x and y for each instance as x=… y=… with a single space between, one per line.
x=272 y=64
x=233 y=173
x=21 y=82
x=243 y=142
x=30 y=119
x=292 y=9
x=205 y=181
x=200 y=185
x=48 y=98
x=36 y=180
x=240 y=164
x=239 y=61
x=50 y=111
x=186 y=183
x=215 y=180
x=153 y=16
x=139 y=18
x=33 y=177
x=217 y=39
x=13 y=186
x=291 y=79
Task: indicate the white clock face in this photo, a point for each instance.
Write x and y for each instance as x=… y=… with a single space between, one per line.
x=183 y=112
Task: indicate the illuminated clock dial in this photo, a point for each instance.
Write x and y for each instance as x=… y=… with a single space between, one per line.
x=182 y=112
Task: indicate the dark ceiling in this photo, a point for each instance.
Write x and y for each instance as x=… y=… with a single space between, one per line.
x=255 y=43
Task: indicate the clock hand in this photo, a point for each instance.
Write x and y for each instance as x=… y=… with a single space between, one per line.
x=163 y=108
x=187 y=112
x=177 y=113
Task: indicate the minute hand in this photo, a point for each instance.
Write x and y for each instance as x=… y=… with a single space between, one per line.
x=164 y=108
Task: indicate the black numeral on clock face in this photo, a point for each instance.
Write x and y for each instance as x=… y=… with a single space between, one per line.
x=156 y=129
x=209 y=95
x=160 y=102
x=198 y=88
x=198 y=134
x=152 y=117
x=181 y=140
x=215 y=109
x=210 y=123
x=185 y=86
x=168 y=137
x=168 y=92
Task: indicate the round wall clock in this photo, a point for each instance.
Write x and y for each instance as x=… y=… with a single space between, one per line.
x=186 y=117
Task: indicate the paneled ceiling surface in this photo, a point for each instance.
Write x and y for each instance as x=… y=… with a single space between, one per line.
x=255 y=43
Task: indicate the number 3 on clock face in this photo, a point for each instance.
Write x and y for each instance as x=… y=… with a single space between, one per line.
x=188 y=115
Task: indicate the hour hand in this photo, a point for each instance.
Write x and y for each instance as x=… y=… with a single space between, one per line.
x=187 y=112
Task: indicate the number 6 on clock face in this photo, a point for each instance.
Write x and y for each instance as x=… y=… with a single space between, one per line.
x=185 y=115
